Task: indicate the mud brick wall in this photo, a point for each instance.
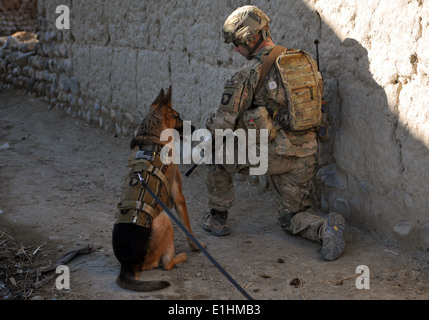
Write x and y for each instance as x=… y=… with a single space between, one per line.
x=374 y=57
x=17 y=15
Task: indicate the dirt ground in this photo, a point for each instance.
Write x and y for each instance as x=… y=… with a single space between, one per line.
x=60 y=182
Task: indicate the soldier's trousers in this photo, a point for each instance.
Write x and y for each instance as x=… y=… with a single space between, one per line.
x=290 y=180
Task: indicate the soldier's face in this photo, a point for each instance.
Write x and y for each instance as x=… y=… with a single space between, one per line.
x=242 y=50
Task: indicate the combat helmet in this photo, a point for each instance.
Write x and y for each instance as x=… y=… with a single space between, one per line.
x=242 y=26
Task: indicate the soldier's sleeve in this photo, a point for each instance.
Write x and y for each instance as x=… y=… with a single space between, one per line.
x=236 y=98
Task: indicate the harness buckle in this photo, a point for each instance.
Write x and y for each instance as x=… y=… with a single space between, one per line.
x=147 y=153
x=142 y=154
x=149 y=220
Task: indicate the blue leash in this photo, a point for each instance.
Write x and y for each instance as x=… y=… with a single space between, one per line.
x=217 y=265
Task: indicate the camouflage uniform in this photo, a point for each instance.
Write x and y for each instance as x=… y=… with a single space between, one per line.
x=291 y=161
x=291 y=154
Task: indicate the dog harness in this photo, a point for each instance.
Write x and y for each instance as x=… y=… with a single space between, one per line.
x=137 y=206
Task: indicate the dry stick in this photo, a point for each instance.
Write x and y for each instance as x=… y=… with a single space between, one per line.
x=25 y=253
x=4 y=233
x=349 y=277
x=302 y=294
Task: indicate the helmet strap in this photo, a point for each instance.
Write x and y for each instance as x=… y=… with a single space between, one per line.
x=255 y=46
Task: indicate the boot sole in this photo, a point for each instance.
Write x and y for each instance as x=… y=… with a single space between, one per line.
x=333 y=241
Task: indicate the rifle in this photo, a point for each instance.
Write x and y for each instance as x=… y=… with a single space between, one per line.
x=207 y=140
x=323 y=128
x=189 y=171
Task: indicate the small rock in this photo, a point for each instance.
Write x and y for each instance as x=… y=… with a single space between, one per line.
x=88 y=116
x=105 y=111
x=129 y=117
x=424 y=234
x=408 y=200
x=10 y=58
x=5 y=146
x=22 y=60
x=11 y=42
x=403 y=228
x=295 y=282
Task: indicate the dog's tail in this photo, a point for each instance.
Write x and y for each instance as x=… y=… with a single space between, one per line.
x=127 y=281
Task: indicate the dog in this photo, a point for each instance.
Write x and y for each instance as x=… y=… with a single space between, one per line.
x=140 y=248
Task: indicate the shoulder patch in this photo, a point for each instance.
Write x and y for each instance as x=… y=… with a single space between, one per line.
x=272 y=85
x=226 y=97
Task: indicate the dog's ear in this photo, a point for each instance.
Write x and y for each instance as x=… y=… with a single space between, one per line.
x=166 y=100
x=159 y=98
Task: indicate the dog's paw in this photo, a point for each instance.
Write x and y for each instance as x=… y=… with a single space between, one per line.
x=181 y=257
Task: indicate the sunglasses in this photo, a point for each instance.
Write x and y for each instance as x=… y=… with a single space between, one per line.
x=236 y=43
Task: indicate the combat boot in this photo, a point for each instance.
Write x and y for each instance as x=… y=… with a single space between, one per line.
x=331 y=236
x=216 y=223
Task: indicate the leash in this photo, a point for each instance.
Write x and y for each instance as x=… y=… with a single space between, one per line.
x=198 y=244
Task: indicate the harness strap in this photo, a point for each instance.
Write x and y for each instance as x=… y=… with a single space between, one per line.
x=163 y=179
x=146 y=208
x=138 y=206
x=268 y=64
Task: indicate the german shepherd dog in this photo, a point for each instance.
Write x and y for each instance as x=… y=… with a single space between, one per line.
x=138 y=248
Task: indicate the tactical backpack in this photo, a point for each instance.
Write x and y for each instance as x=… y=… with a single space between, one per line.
x=303 y=85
